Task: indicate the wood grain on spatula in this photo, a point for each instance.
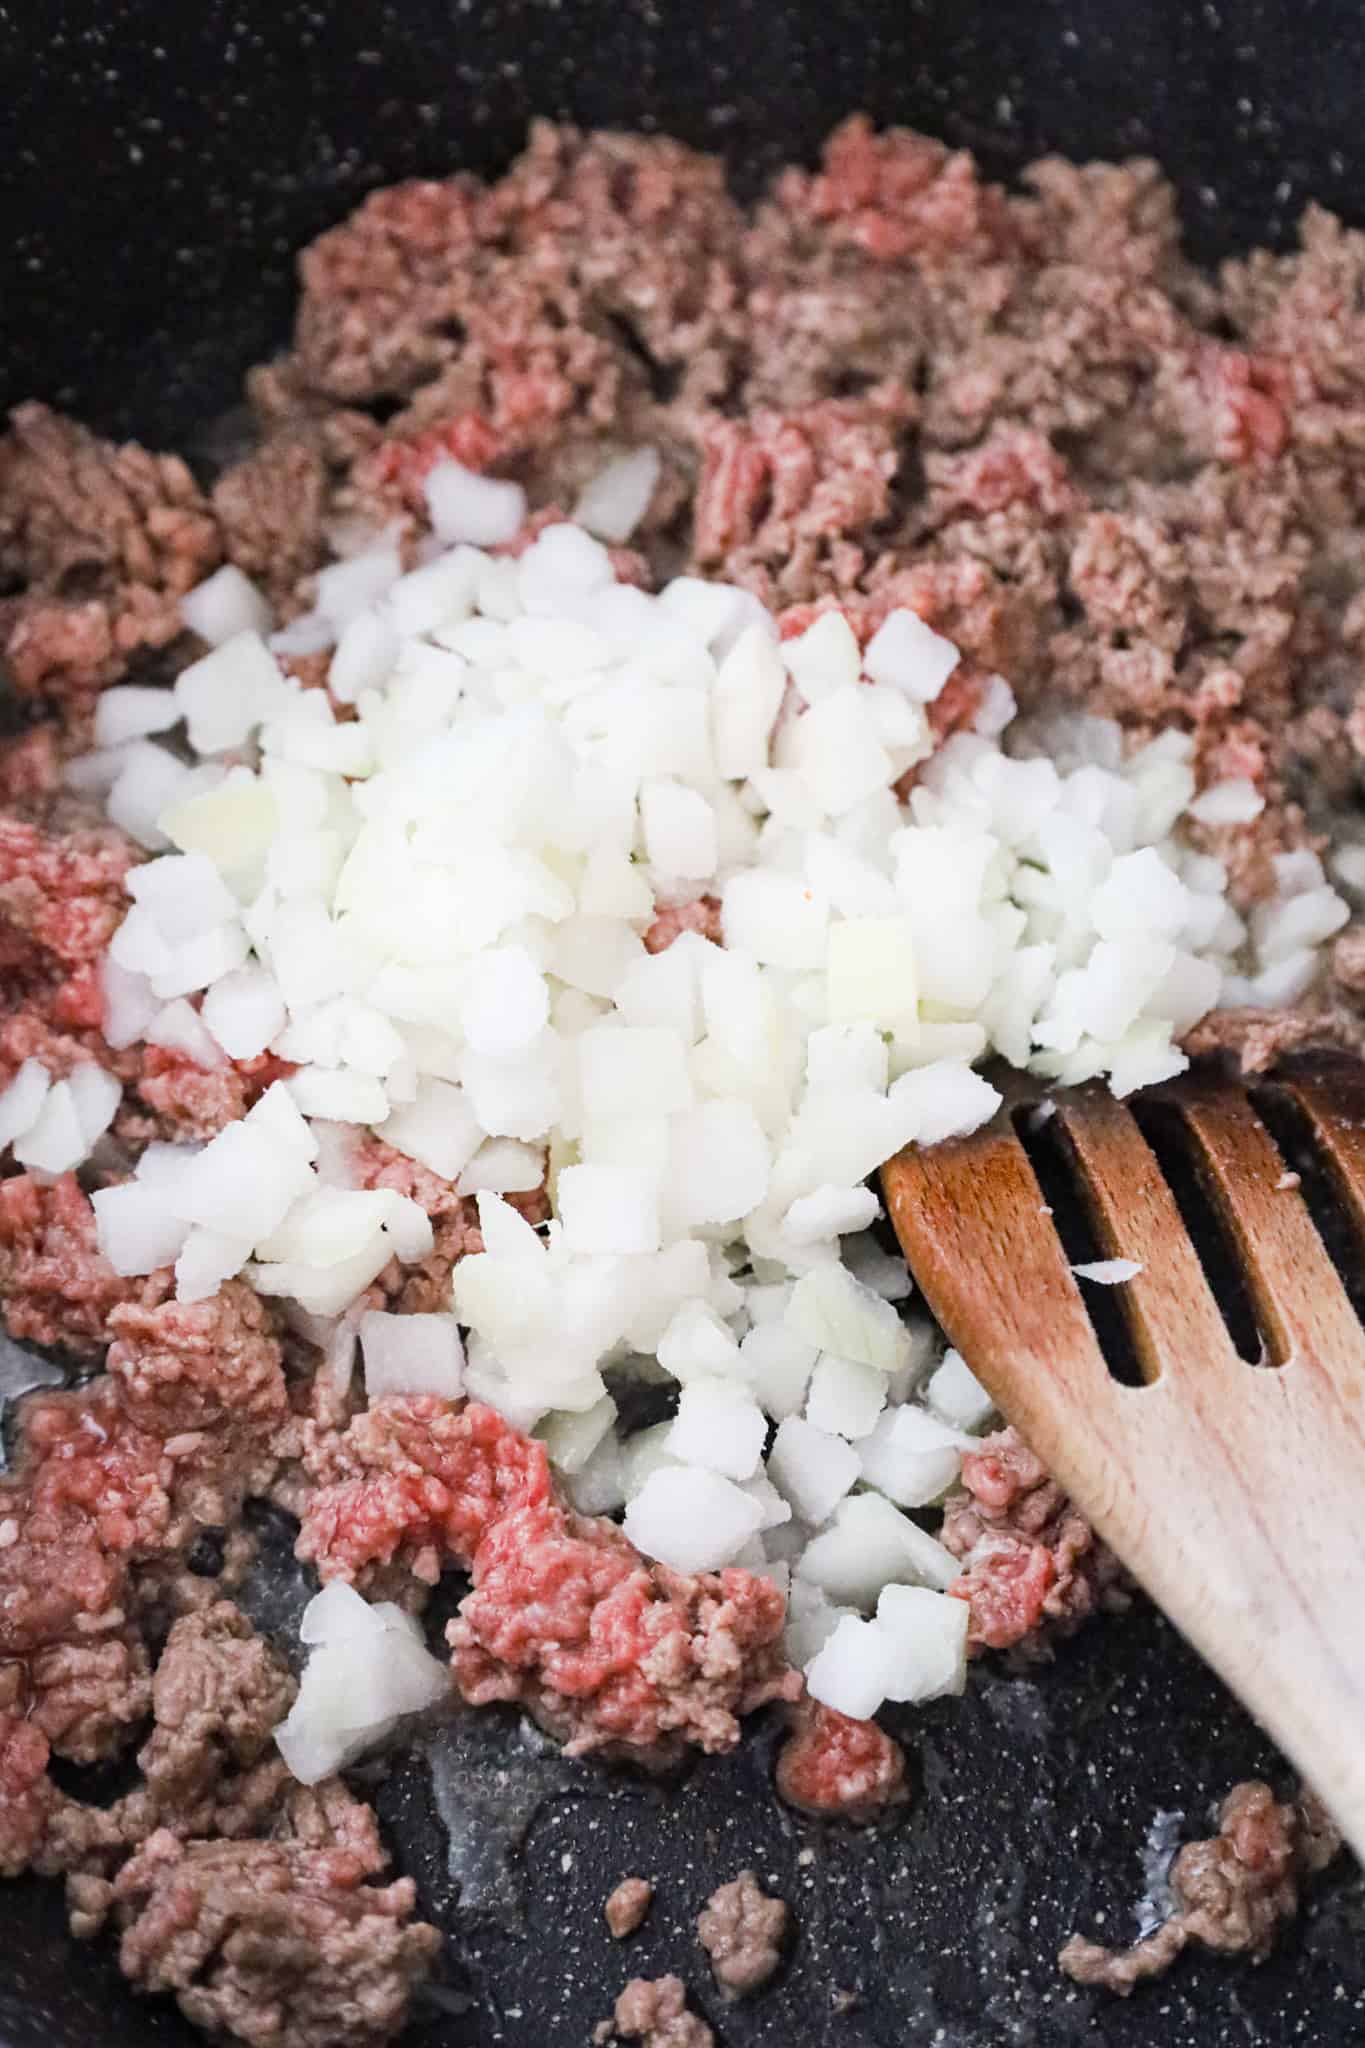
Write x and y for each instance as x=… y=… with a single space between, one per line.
x=1232 y=1491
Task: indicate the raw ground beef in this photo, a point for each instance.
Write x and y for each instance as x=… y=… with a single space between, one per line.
x=112 y=1486
x=606 y=1649
x=742 y=1928
x=1233 y=1892
x=1023 y=414
x=840 y=1769
x=627 y=1906
x=1034 y=1569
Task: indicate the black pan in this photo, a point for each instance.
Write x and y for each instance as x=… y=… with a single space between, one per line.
x=158 y=165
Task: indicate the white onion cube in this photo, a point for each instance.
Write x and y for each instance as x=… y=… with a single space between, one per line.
x=690 y=1519
x=811 y=1468
x=911 y=1456
x=910 y=656
x=22 y=1101
x=465 y=506
x=718 y=1425
x=609 y=1209
x=411 y=1354
x=136 y=1228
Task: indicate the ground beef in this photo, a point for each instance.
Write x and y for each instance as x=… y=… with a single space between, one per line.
x=106 y=541
x=62 y=893
x=218 y=1696
x=702 y=917
x=838 y=1768
x=86 y=1697
x=605 y=1648
x=653 y=2011
x=1034 y=1568
x=1233 y=1892
x=742 y=1928
x=785 y=501
x=627 y=1906
x=31 y=766
x=272 y=508
x=56 y=1287
x=26 y=1793
x=112 y=1485
x=271 y=1942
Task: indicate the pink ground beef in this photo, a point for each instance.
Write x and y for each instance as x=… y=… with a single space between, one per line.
x=837 y=1768
x=55 y=1285
x=1034 y=1569
x=565 y=1618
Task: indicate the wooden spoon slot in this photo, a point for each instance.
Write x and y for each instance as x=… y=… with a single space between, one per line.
x=1320 y=1186
x=1177 y=1155
x=1054 y=1163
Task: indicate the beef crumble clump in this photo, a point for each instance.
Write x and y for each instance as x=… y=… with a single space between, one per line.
x=106 y=541
x=627 y=1906
x=653 y=2011
x=742 y=1928
x=607 y=1649
x=271 y=1941
x=1233 y=1891
x=1034 y=1569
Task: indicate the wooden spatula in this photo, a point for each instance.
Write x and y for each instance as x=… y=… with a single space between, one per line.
x=1234 y=1492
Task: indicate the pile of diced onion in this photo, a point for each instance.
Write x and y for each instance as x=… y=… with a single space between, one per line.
x=435 y=909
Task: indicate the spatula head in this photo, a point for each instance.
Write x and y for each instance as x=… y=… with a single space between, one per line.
x=1208 y=1414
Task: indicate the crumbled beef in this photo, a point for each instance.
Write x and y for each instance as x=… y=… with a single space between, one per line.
x=31 y=767
x=609 y=1650
x=840 y=1768
x=1034 y=1568
x=627 y=1906
x=56 y=1286
x=106 y=541
x=1233 y=1892
x=86 y=1696
x=26 y=1792
x=605 y=1648
x=1254 y=1040
x=272 y=508
x=742 y=1928
x=183 y=1102
x=785 y=502
x=217 y=1697
x=702 y=917
x=271 y=1942
x=1023 y=415
x=113 y=1482
x=64 y=892
x=653 y=2011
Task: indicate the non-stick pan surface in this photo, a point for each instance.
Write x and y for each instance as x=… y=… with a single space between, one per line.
x=158 y=165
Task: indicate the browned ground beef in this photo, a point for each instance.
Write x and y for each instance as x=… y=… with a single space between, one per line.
x=1233 y=1892
x=742 y=1929
x=627 y=1906
x=653 y=2011
x=1024 y=414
